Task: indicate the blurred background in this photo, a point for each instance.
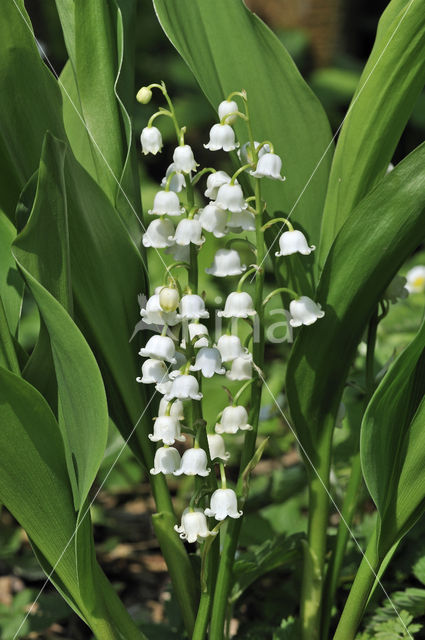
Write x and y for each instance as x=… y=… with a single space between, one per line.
x=329 y=41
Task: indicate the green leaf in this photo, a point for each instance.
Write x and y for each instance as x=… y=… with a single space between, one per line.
x=11 y=283
x=387 y=226
x=387 y=92
x=228 y=49
x=42 y=252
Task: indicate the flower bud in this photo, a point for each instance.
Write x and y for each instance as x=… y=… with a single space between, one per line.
x=144 y=95
x=169 y=299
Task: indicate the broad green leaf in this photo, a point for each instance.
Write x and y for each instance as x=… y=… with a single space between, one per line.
x=8 y=357
x=42 y=253
x=11 y=283
x=228 y=49
x=389 y=86
x=393 y=444
x=30 y=99
x=387 y=226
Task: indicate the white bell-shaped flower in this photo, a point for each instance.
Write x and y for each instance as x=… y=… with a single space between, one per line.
x=230 y=348
x=208 y=361
x=268 y=166
x=151 y=140
x=196 y=329
x=293 y=242
x=177 y=182
x=214 y=220
x=238 y=304
x=416 y=279
x=167 y=430
x=188 y=231
x=157 y=234
x=153 y=371
x=194 y=526
x=176 y=409
x=154 y=314
x=183 y=159
x=223 y=503
x=194 y=463
x=159 y=348
x=232 y=420
x=166 y=203
x=169 y=299
x=226 y=107
x=245 y=154
x=164 y=387
x=241 y=368
x=167 y=460
x=179 y=253
x=214 y=182
x=230 y=197
x=222 y=136
x=241 y=221
x=304 y=311
x=192 y=307
x=184 y=387
x=227 y=262
x=217 y=447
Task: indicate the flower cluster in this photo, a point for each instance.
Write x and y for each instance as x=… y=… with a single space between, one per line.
x=181 y=355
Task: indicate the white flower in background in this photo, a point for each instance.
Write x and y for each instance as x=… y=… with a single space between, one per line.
x=167 y=460
x=396 y=290
x=177 y=182
x=194 y=463
x=214 y=182
x=169 y=299
x=183 y=159
x=157 y=234
x=167 y=429
x=184 y=387
x=223 y=503
x=232 y=420
x=245 y=154
x=181 y=362
x=293 y=242
x=241 y=368
x=241 y=221
x=226 y=107
x=166 y=203
x=227 y=262
x=176 y=409
x=416 y=279
x=222 y=136
x=179 y=253
x=188 y=231
x=238 y=304
x=269 y=165
x=304 y=311
x=208 y=361
x=390 y=168
x=153 y=313
x=196 y=329
x=230 y=196
x=194 y=526
x=159 y=348
x=153 y=371
x=214 y=220
x=217 y=447
x=192 y=307
x=230 y=348
x=151 y=140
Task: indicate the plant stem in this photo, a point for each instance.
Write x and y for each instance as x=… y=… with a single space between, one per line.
x=359 y=593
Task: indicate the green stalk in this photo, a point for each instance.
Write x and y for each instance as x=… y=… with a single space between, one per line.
x=224 y=576
x=351 y=496
x=359 y=593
